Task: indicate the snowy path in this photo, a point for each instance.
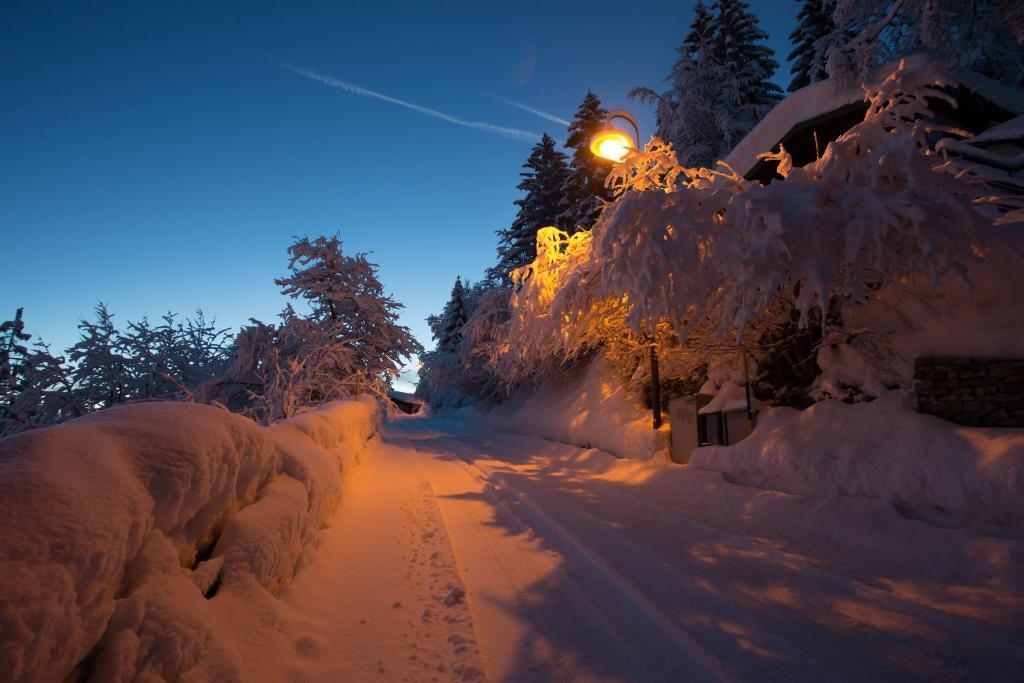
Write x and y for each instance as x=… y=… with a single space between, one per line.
x=576 y=566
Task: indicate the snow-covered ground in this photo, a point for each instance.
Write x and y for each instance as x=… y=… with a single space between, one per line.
x=592 y=409
x=460 y=553
x=119 y=529
x=929 y=467
x=579 y=565
x=883 y=449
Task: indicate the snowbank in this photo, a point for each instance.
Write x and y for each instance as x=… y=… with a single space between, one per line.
x=883 y=450
x=591 y=410
x=120 y=525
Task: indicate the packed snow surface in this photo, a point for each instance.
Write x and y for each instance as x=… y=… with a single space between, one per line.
x=460 y=553
x=593 y=410
x=120 y=525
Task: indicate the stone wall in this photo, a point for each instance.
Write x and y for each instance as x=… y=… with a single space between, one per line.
x=983 y=392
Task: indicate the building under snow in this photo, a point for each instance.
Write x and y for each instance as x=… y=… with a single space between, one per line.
x=966 y=357
x=986 y=127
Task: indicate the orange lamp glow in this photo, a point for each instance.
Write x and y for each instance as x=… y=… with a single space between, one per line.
x=611 y=144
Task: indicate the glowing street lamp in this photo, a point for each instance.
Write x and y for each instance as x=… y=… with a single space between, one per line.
x=613 y=144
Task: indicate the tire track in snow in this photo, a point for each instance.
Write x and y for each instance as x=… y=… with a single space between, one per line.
x=665 y=649
x=890 y=600
x=518 y=572
x=928 y=656
x=925 y=652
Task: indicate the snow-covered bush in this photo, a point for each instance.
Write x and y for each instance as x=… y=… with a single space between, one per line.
x=121 y=529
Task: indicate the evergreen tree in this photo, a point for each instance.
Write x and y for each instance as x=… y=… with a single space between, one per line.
x=12 y=361
x=584 y=189
x=719 y=84
x=12 y=357
x=747 y=92
x=543 y=182
x=449 y=326
x=204 y=349
x=691 y=123
x=100 y=374
x=810 y=37
x=45 y=396
x=146 y=364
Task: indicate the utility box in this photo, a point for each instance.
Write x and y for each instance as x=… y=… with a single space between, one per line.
x=696 y=423
x=684 y=418
x=722 y=427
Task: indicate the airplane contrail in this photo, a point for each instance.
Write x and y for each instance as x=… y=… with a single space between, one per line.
x=533 y=110
x=363 y=92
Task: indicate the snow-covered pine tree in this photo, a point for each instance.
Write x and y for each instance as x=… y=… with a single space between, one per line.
x=584 y=189
x=203 y=350
x=746 y=91
x=454 y=316
x=697 y=136
x=146 y=365
x=348 y=300
x=12 y=358
x=45 y=395
x=101 y=367
x=686 y=112
x=543 y=182
x=813 y=28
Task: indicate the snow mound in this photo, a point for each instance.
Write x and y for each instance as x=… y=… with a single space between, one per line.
x=592 y=410
x=885 y=450
x=120 y=525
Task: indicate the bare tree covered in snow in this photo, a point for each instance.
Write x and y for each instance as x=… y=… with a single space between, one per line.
x=349 y=343
x=348 y=299
x=984 y=35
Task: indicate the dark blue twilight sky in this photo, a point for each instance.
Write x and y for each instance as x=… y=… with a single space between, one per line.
x=161 y=155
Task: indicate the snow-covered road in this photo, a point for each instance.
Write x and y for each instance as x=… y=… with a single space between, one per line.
x=463 y=554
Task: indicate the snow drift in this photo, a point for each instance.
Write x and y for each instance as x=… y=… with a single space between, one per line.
x=120 y=525
x=591 y=410
x=883 y=449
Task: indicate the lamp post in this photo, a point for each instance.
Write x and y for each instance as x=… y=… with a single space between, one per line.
x=613 y=144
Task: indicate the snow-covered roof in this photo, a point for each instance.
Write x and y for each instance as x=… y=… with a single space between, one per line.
x=1008 y=130
x=732 y=396
x=822 y=98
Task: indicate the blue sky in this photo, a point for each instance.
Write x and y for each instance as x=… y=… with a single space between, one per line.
x=160 y=156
